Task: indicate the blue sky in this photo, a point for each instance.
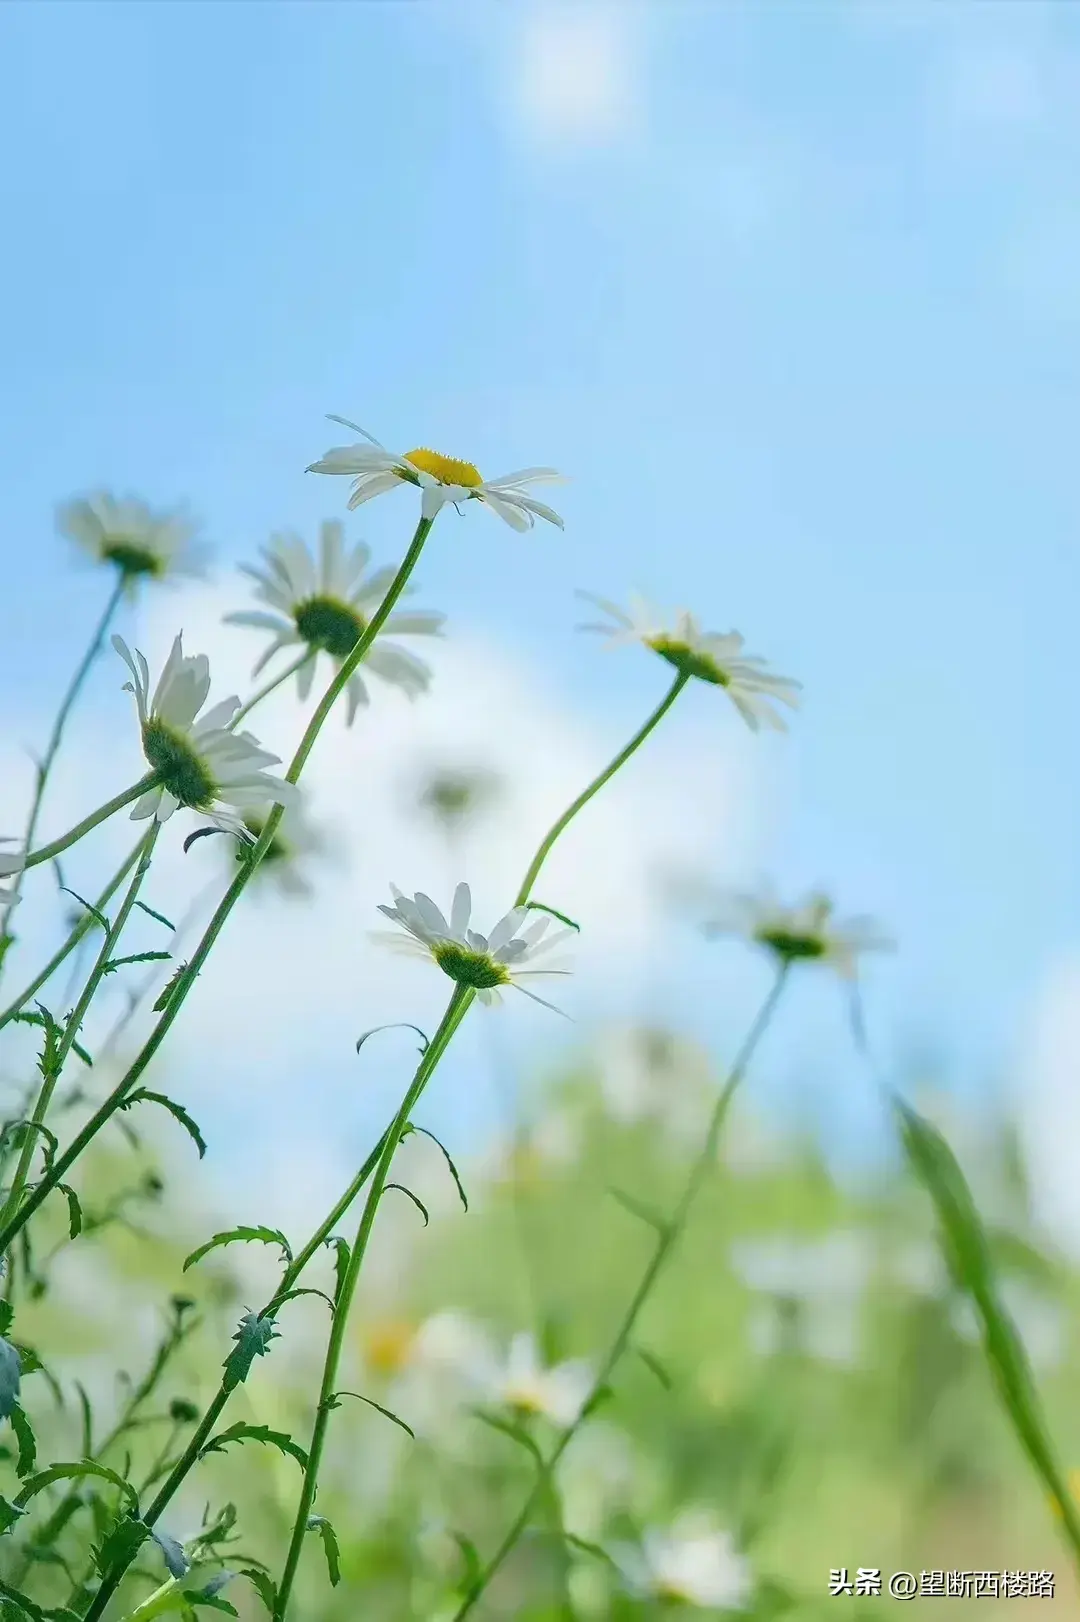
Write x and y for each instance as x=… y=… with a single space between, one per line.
x=791 y=291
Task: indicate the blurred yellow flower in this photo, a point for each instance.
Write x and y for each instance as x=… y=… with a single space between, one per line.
x=387 y=1346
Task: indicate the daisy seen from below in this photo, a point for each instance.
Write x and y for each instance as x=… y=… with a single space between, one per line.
x=284 y=863
x=522 y=1383
x=326 y=605
x=486 y=963
x=441 y=480
x=200 y=764
x=137 y=541
x=693 y=1562
x=807 y=932
x=707 y=656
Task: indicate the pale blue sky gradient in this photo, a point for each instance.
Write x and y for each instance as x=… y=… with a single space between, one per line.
x=802 y=319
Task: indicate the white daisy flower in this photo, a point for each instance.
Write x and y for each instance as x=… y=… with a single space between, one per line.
x=807 y=932
x=815 y=1289
x=706 y=655
x=294 y=840
x=487 y=963
x=141 y=543
x=521 y=1382
x=327 y=606
x=10 y=868
x=455 y=795
x=200 y=765
x=441 y=479
x=694 y=1562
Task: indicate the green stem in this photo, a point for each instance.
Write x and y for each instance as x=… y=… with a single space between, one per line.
x=202 y=1433
x=270 y=687
x=595 y=786
x=213 y=929
x=67 y=703
x=117 y=803
x=82 y=928
x=455 y=1012
x=73 y=1024
x=667 y=1239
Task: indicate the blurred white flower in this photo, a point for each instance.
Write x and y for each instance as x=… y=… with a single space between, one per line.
x=455 y=795
x=327 y=606
x=521 y=1382
x=10 y=868
x=140 y=543
x=201 y=765
x=486 y=963
x=646 y=1073
x=694 y=1561
x=599 y=1474
x=1041 y=1323
x=805 y=933
x=441 y=480
x=706 y=655
x=816 y=1288
x=295 y=840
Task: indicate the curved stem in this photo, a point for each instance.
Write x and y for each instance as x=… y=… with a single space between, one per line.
x=270 y=687
x=666 y=1241
x=595 y=786
x=455 y=1012
x=81 y=929
x=239 y=883
x=67 y=703
x=74 y=1021
x=103 y=812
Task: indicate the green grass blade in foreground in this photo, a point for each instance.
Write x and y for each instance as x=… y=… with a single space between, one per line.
x=968 y=1255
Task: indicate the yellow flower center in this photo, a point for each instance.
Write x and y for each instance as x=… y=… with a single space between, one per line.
x=387 y=1346
x=447 y=469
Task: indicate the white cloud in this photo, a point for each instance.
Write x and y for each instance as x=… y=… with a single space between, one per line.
x=572 y=73
x=265 y=1048
x=1048 y=1101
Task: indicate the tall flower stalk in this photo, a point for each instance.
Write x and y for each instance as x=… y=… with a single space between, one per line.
x=668 y=1236
x=186 y=979
x=56 y=736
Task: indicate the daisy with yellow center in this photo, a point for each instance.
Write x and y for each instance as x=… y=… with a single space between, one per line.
x=442 y=480
x=326 y=606
x=694 y=1562
x=707 y=656
x=488 y=964
x=387 y=1346
x=199 y=763
x=531 y=1390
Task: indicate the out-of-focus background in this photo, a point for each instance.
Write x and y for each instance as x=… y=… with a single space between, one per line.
x=792 y=292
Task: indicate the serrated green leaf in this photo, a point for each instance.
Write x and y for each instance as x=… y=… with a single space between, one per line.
x=159 y=916
x=24 y=1435
x=176 y=1561
x=9 y=1514
x=166 y=994
x=74 y=1472
x=75 y=1214
x=387 y=1413
x=253 y=1336
x=420 y=1206
x=291 y=1295
x=95 y=912
x=319 y=1523
x=243 y=1432
x=143 y=1095
x=242 y=1235
x=341 y=1260
x=20 y=1605
x=120 y=1544
x=10 y=1375
x=115 y=963
x=412 y=1127
x=263 y=1585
